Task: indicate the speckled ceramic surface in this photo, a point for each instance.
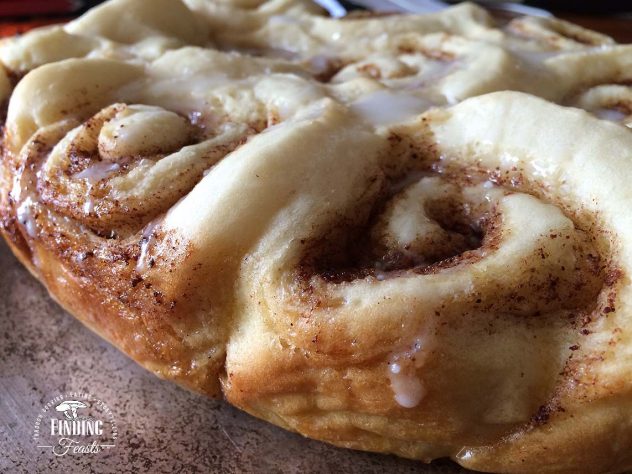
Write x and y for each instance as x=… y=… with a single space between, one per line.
x=162 y=428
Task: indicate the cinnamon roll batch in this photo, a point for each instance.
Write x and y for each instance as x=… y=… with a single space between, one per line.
x=406 y=234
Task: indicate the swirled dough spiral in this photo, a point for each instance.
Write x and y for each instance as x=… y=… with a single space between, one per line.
x=340 y=225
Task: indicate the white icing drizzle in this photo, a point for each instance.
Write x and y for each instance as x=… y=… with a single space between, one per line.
x=613 y=115
x=97 y=172
x=283 y=20
x=25 y=216
x=465 y=454
x=385 y=107
x=37 y=263
x=402 y=368
x=88 y=206
x=92 y=175
x=145 y=242
x=319 y=63
x=196 y=117
x=16 y=190
x=434 y=71
x=536 y=58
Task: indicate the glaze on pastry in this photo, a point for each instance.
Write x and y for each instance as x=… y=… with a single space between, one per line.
x=399 y=234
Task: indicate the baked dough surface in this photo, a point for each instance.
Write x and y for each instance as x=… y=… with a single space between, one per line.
x=406 y=234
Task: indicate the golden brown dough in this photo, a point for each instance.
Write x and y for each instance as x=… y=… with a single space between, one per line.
x=356 y=238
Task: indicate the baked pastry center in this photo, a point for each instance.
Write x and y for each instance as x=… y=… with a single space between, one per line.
x=342 y=226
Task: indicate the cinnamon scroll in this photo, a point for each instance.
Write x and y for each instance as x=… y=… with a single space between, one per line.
x=347 y=234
